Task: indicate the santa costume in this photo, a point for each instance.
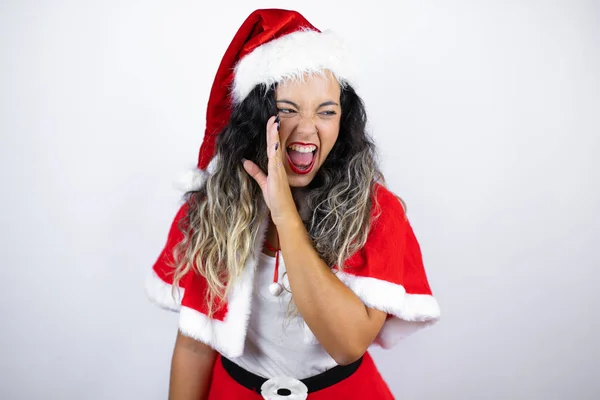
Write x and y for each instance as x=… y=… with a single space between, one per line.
x=260 y=355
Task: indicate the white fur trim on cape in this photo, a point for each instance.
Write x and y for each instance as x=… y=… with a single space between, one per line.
x=194 y=178
x=290 y=57
x=160 y=292
x=411 y=312
x=227 y=336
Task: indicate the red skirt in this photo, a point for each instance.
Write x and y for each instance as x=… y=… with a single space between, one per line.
x=365 y=383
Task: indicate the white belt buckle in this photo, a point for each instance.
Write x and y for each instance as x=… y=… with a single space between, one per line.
x=283 y=388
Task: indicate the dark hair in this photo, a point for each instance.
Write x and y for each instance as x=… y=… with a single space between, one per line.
x=245 y=136
x=226 y=213
x=339 y=197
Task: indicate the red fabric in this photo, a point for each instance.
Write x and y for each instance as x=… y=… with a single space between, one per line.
x=164 y=264
x=195 y=285
x=365 y=383
x=259 y=28
x=392 y=252
x=195 y=297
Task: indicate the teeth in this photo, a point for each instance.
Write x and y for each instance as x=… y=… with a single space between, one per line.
x=303 y=149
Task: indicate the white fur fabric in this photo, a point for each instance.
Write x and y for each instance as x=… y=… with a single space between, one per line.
x=290 y=57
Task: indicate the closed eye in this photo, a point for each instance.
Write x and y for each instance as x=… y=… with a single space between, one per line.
x=286 y=110
x=328 y=113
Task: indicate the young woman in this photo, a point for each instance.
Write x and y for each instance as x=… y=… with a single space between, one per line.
x=289 y=257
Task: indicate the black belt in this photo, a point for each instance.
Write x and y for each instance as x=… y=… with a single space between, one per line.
x=314 y=383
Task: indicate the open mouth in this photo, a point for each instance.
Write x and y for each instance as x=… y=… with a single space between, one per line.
x=302 y=157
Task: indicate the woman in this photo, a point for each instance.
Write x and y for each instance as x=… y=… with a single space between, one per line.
x=289 y=257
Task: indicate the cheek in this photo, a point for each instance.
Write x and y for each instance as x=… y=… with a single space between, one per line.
x=284 y=134
x=328 y=139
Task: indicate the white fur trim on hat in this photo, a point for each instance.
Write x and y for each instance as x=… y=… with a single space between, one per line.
x=194 y=178
x=290 y=57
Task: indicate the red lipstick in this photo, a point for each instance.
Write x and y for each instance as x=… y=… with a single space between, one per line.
x=306 y=170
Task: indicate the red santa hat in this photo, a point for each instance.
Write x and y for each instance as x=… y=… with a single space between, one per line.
x=271 y=46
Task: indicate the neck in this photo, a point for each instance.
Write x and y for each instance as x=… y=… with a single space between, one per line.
x=271 y=238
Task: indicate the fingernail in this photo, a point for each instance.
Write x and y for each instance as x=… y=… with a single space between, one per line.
x=277 y=119
x=278 y=126
x=276 y=146
x=243 y=160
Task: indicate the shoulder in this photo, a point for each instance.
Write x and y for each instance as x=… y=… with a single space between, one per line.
x=386 y=240
x=386 y=200
x=388 y=211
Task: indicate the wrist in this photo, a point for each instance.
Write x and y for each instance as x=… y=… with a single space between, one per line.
x=289 y=222
x=293 y=237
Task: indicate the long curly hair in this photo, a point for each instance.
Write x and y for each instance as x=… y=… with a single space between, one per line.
x=225 y=214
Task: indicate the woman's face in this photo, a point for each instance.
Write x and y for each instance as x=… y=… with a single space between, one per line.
x=310 y=122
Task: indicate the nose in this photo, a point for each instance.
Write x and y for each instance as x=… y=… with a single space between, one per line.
x=306 y=126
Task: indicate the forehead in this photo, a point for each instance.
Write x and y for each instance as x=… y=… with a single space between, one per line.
x=310 y=87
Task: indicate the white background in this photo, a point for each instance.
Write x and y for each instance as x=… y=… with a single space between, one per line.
x=487 y=115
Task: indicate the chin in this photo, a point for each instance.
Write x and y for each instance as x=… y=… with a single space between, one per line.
x=299 y=181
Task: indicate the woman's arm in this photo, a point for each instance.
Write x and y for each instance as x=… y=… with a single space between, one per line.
x=344 y=326
x=191 y=369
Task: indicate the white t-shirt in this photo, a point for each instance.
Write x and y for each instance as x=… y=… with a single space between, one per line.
x=275 y=339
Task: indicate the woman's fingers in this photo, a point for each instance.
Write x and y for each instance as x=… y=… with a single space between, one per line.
x=274 y=144
x=274 y=180
x=270 y=138
x=255 y=172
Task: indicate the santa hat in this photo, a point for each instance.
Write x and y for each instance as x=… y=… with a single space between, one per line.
x=272 y=45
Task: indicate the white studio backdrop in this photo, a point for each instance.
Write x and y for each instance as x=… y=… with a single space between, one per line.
x=487 y=117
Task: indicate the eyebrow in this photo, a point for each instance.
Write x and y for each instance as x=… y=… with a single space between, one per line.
x=327 y=103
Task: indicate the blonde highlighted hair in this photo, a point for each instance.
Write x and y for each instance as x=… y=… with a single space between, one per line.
x=224 y=217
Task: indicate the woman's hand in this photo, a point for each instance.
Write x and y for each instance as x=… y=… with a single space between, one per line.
x=275 y=186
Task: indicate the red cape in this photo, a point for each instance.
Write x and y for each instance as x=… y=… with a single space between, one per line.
x=386 y=274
